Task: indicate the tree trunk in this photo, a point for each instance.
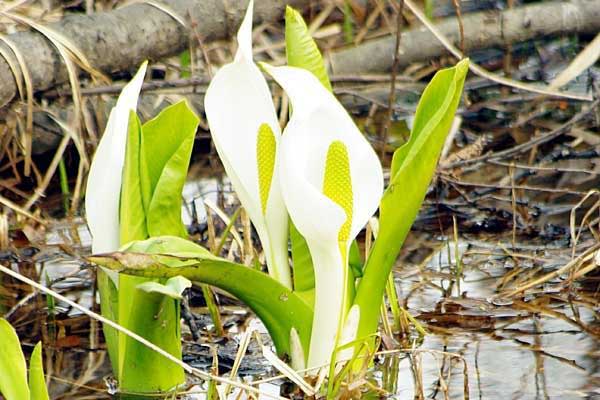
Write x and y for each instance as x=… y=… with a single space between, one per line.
x=482 y=30
x=121 y=39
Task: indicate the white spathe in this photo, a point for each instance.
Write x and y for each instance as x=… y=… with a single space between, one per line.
x=237 y=103
x=103 y=191
x=317 y=121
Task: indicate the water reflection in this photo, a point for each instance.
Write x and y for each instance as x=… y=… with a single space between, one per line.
x=546 y=348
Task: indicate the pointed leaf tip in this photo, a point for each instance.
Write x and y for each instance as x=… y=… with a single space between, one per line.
x=244 y=35
x=13 y=370
x=301 y=49
x=37 y=382
x=104 y=180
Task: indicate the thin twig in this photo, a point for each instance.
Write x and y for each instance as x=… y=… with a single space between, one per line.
x=392 y=96
x=461 y=28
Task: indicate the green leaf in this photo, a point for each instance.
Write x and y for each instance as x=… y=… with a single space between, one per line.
x=167 y=142
x=355 y=260
x=279 y=308
x=132 y=215
x=300 y=48
x=304 y=274
x=185 y=62
x=135 y=198
x=413 y=167
x=434 y=114
x=173 y=288
x=37 y=382
x=13 y=370
x=168 y=245
x=156 y=163
x=157 y=318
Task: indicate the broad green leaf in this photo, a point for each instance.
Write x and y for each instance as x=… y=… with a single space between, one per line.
x=431 y=114
x=279 y=308
x=413 y=167
x=13 y=370
x=167 y=142
x=164 y=214
x=172 y=288
x=132 y=217
x=156 y=164
x=157 y=318
x=37 y=382
x=300 y=48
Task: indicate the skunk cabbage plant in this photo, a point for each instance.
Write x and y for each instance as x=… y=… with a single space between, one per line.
x=332 y=182
x=104 y=180
x=323 y=173
x=134 y=192
x=15 y=382
x=246 y=133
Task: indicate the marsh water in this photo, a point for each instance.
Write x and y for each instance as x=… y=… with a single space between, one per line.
x=479 y=344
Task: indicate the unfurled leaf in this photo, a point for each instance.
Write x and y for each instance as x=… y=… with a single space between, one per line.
x=413 y=167
x=156 y=164
x=166 y=146
x=132 y=210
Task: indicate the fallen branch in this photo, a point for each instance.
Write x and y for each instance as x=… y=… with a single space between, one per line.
x=475 y=68
x=121 y=39
x=482 y=30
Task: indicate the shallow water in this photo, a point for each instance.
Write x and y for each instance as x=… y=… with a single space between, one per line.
x=545 y=348
x=540 y=346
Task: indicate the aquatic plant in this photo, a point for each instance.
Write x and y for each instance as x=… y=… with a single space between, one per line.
x=325 y=175
x=15 y=382
x=134 y=192
x=246 y=133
